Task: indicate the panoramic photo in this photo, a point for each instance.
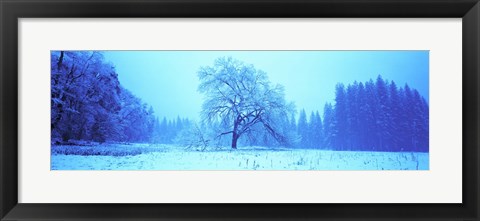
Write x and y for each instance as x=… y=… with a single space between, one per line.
x=240 y=110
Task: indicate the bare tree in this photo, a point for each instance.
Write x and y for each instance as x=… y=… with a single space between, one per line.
x=238 y=97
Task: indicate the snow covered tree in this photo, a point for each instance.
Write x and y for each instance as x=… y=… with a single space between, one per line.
x=311 y=132
x=329 y=127
x=352 y=116
x=341 y=117
x=377 y=117
x=407 y=118
x=420 y=123
x=239 y=96
x=193 y=135
x=363 y=110
x=395 y=117
x=88 y=103
x=383 y=113
x=293 y=123
x=315 y=136
x=371 y=109
x=302 y=129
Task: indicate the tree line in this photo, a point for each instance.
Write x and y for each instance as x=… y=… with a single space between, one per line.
x=166 y=131
x=371 y=116
x=88 y=102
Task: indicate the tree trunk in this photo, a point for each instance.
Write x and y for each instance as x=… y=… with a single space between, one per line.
x=60 y=61
x=235 y=135
x=59 y=106
x=234 y=140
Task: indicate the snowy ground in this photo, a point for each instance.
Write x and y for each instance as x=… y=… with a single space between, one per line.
x=168 y=157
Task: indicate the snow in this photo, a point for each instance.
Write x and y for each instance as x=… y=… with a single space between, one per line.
x=169 y=157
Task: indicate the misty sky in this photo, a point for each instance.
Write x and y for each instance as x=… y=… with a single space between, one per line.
x=168 y=80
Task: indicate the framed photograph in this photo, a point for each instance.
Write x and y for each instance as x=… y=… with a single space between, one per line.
x=239 y=110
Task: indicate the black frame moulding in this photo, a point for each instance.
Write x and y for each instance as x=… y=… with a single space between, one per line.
x=12 y=10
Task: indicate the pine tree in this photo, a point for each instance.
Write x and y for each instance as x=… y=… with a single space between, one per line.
x=424 y=137
x=311 y=130
x=375 y=116
x=408 y=122
x=420 y=123
x=318 y=132
x=302 y=128
x=395 y=117
x=340 y=117
x=363 y=113
x=352 y=116
x=329 y=127
x=382 y=117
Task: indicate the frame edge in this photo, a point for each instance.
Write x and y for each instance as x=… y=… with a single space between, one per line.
x=11 y=210
x=471 y=104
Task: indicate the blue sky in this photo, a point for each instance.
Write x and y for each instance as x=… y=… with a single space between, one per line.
x=168 y=80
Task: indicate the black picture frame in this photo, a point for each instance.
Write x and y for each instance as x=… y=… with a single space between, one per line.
x=11 y=10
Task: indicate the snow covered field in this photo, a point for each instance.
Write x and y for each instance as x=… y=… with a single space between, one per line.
x=168 y=157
